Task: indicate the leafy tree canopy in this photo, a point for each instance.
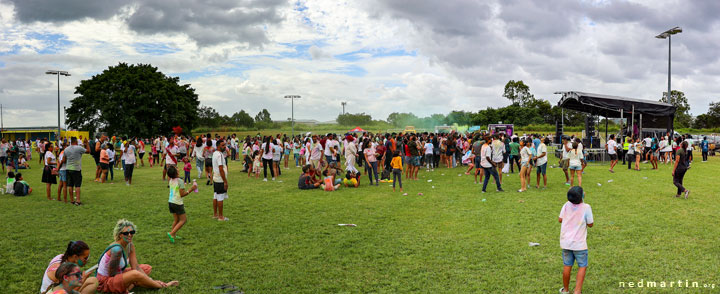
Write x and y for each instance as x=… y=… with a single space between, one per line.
x=134 y=100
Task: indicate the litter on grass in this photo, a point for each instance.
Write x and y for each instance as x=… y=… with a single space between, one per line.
x=347 y=225
x=483 y=200
x=599 y=184
x=442 y=174
x=420 y=194
x=429 y=181
x=459 y=175
x=404 y=194
x=521 y=201
x=533 y=244
x=644 y=178
x=610 y=181
x=433 y=187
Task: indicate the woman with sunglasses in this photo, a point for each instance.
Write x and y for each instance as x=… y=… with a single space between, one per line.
x=118 y=268
x=70 y=276
x=77 y=252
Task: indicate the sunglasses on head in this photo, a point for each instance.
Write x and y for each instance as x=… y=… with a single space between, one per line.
x=128 y=233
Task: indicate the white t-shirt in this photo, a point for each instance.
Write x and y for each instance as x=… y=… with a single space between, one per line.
x=486 y=152
x=565 y=152
x=60 y=158
x=498 y=150
x=170 y=157
x=329 y=146
x=129 y=154
x=428 y=148
x=611 y=145
x=648 y=142
x=525 y=154
x=542 y=149
x=51 y=156
x=269 y=154
x=573 y=231
x=218 y=160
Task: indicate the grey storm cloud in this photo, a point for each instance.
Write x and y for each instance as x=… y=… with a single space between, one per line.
x=206 y=22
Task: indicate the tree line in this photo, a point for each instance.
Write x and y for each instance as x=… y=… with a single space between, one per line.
x=140 y=100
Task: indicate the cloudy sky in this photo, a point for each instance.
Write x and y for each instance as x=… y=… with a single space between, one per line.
x=381 y=56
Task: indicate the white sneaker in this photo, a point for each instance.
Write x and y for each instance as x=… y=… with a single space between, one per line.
x=264 y=179
x=273 y=179
x=563 y=292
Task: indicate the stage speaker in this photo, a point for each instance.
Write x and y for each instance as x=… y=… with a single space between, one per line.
x=558 y=132
x=590 y=125
x=591 y=142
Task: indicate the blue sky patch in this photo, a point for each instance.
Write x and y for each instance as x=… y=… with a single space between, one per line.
x=351 y=70
x=155 y=48
x=53 y=43
x=375 y=53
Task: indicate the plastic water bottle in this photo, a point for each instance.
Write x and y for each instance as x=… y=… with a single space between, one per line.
x=195 y=184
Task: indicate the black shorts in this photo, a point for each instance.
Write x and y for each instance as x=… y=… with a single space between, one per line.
x=141 y=155
x=128 y=170
x=96 y=157
x=505 y=157
x=156 y=156
x=182 y=155
x=74 y=178
x=613 y=157
x=104 y=166
x=219 y=188
x=208 y=162
x=176 y=209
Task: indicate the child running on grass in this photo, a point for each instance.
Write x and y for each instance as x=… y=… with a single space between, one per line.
x=177 y=208
x=397 y=169
x=575 y=217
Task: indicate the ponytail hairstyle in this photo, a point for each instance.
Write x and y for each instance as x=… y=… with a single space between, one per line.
x=267 y=144
x=62 y=271
x=74 y=248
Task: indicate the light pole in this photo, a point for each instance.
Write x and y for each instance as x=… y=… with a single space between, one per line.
x=58 y=73
x=343 y=105
x=292 y=111
x=667 y=35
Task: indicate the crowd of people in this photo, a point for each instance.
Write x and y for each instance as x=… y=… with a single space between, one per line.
x=328 y=162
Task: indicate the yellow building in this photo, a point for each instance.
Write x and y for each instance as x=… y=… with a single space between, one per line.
x=33 y=133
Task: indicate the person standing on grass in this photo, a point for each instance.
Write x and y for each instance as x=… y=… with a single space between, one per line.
x=541 y=162
x=575 y=163
x=4 y=146
x=612 y=148
x=499 y=156
x=171 y=156
x=575 y=217
x=141 y=151
x=220 y=182
x=514 y=154
x=130 y=161
x=488 y=165
x=62 y=175
x=705 y=147
x=638 y=153
x=175 y=202
x=681 y=166
x=105 y=163
x=73 y=158
x=47 y=175
x=397 y=167
x=525 y=156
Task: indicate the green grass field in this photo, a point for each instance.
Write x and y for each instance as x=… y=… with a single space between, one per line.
x=282 y=240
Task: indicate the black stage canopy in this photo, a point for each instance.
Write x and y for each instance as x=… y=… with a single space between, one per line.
x=652 y=114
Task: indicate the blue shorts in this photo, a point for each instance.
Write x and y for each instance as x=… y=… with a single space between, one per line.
x=576 y=167
x=542 y=168
x=63 y=175
x=415 y=160
x=570 y=256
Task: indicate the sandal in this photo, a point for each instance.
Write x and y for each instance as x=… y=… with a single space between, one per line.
x=78 y=203
x=172 y=240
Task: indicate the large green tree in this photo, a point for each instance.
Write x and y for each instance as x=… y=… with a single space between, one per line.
x=135 y=100
x=208 y=117
x=683 y=119
x=263 y=116
x=242 y=119
x=518 y=93
x=709 y=120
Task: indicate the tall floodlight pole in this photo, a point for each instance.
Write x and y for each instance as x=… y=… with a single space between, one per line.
x=58 y=73
x=668 y=35
x=292 y=111
x=343 y=105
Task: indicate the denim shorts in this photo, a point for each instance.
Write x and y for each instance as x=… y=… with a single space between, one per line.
x=570 y=256
x=63 y=175
x=415 y=160
x=541 y=169
x=575 y=167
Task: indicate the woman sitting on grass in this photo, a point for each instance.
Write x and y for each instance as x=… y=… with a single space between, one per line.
x=118 y=268
x=69 y=277
x=76 y=254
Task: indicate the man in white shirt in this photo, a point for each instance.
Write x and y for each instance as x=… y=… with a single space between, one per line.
x=648 y=143
x=565 y=161
x=488 y=165
x=170 y=159
x=330 y=151
x=129 y=160
x=541 y=160
x=612 y=147
x=220 y=183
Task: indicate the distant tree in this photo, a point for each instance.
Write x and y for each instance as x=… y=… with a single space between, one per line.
x=134 y=100
x=402 y=119
x=683 y=119
x=709 y=120
x=349 y=119
x=263 y=116
x=208 y=117
x=242 y=119
x=518 y=93
x=461 y=118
